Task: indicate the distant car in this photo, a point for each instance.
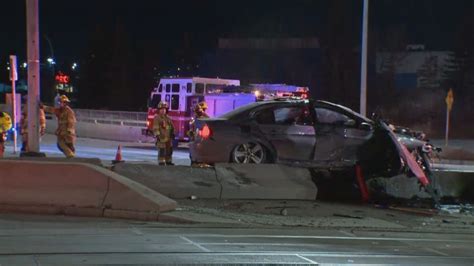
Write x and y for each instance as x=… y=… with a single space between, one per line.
x=302 y=132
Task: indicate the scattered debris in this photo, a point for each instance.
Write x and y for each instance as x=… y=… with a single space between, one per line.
x=347 y=216
x=457 y=208
x=279 y=207
x=284 y=212
x=193 y=197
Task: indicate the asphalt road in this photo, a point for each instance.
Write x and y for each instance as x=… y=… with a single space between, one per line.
x=106 y=150
x=45 y=240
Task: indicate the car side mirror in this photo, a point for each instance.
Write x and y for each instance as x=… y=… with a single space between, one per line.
x=365 y=126
x=350 y=123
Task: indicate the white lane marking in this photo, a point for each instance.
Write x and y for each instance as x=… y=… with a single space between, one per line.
x=262 y=244
x=320 y=254
x=436 y=251
x=432 y=250
x=306 y=259
x=194 y=244
x=339 y=238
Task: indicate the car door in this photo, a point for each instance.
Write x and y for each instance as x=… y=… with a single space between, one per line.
x=338 y=135
x=289 y=129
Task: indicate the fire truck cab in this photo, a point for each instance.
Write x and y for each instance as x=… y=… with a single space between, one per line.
x=182 y=94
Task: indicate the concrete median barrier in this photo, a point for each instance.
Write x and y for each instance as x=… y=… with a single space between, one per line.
x=265 y=181
x=455 y=184
x=177 y=182
x=225 y=181
x=76 y=189
x=448 y=184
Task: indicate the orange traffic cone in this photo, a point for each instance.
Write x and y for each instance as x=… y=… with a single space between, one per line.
x=118 y=156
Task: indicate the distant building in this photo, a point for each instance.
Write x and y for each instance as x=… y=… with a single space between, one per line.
x=413 y=68
x=267 y=60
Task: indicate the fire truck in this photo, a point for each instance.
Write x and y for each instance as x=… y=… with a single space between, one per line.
x=182 y=94
x=221 y=96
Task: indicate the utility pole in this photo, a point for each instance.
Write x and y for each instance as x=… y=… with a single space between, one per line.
x=363 y=65
x=14 y=78
x=32 y=37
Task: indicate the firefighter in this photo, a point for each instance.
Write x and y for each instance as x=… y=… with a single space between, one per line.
x=163 y=131
x=24 y=125
x=66 y=131
x=5 y=125
x=199 y=113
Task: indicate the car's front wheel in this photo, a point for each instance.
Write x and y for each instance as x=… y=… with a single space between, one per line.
x=251 y=152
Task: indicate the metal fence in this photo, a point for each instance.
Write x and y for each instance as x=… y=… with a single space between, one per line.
x=132 y=119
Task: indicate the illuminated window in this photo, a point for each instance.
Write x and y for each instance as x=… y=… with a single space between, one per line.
x=214 y=88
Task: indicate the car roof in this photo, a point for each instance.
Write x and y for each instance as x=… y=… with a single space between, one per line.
x=318 y=103
x=277 y=101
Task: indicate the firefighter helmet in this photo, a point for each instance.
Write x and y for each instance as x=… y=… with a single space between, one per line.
x=5 y=122
x=197 y=108
x=203 y=105
x=64 y=98
x=163 y=105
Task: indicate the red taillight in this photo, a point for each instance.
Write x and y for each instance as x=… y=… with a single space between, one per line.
x=205 y=132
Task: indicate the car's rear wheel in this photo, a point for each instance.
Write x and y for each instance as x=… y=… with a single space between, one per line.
x=251 y=152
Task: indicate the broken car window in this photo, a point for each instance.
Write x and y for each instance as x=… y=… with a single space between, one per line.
x=265 y=117
x=287 y=115
x=327 y=116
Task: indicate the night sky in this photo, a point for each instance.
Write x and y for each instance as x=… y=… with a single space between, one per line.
x=67 y=23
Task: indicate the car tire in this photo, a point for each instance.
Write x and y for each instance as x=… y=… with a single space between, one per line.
x=251 y=152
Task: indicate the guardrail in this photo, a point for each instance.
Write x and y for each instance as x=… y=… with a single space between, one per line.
x=120 y=118
x=100 y=124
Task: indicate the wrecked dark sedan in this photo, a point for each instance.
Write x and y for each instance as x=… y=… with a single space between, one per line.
x=304 y=132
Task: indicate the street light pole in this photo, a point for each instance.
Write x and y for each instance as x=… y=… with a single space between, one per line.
x=32 y=34
x=363 y=67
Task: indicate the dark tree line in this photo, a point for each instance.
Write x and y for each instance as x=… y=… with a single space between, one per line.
x=118 y=72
